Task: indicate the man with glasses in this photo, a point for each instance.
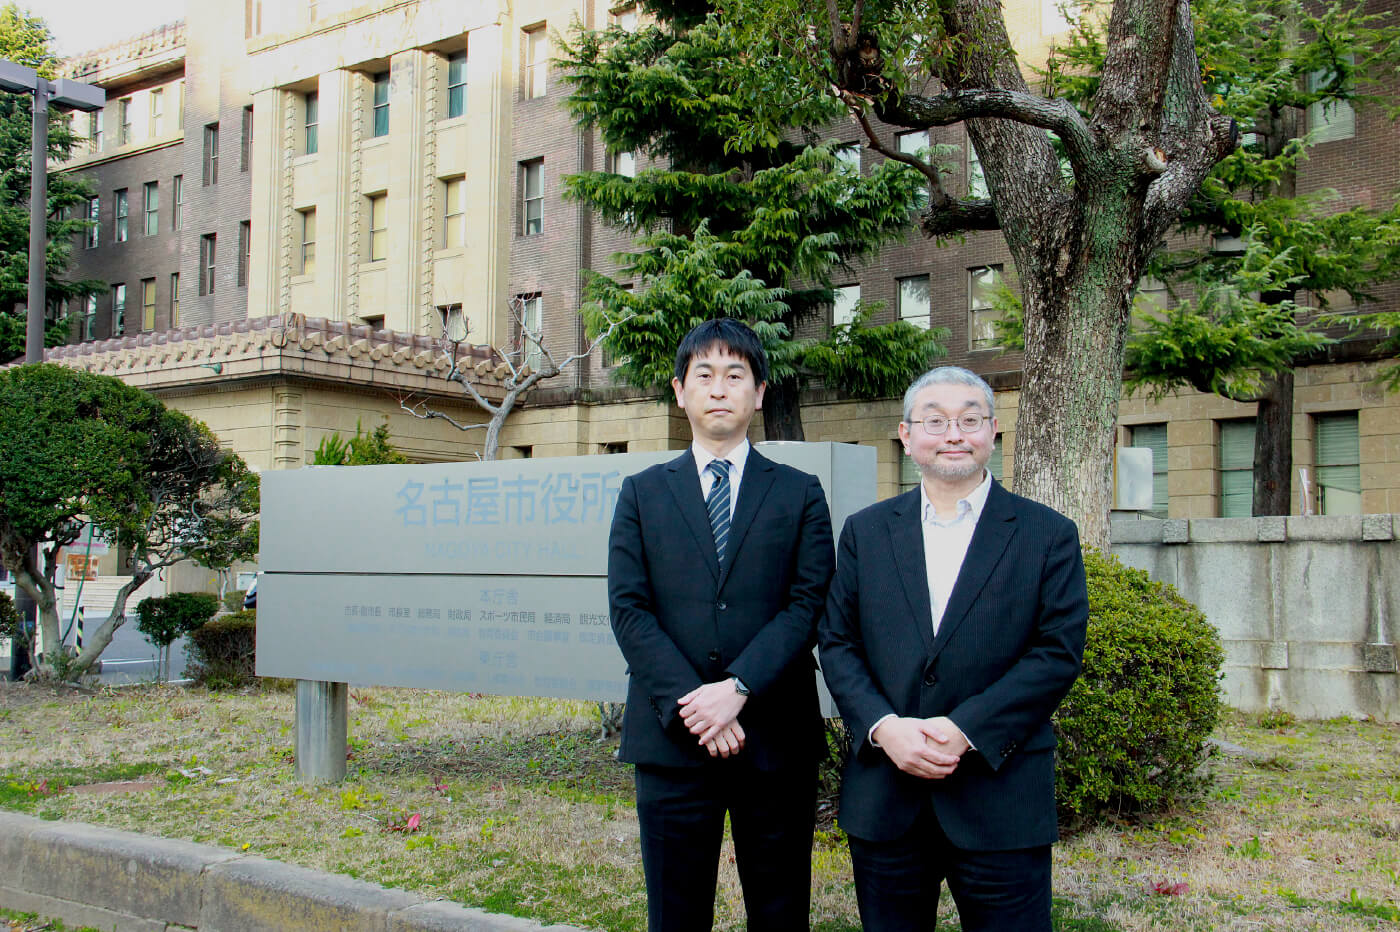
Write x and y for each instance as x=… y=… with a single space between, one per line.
x=954 y=627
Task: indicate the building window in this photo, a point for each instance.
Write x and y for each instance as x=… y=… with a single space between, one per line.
x=120 y=210
x=456 y=84
x=531 y=323
x=245 y=145
x=124 y=121
x=245 y=252
x=174 y=299
x=623 y=163
x=1236 y=469
x=454 y=322
x=848 y=158
x=95 y=132
x=381 y=104
x=983 y=314
x=157 y=98
x=913 y=301
x=454 y=213
x=627 y=17
x=148 y=304
x=1330 y=120
x=373 y=322
x=976 y=181
x=536 y=75
x=844 y=301
x=211 y=154
x=152 y=208
x=378 y=227
x=118 y=310
x=1154 y=437
x=1337 y=456
x=90 y=317
x=915 y=143
x=207 y=243
x=532 y=197
x=308 y=241
x=91 y=236
x=177 y=210
x=252 y=18
x=994 y=459
x=311 y=123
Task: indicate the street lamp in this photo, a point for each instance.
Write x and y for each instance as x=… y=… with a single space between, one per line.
x=73 y=95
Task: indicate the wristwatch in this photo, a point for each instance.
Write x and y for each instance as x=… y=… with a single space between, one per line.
x=739 y=686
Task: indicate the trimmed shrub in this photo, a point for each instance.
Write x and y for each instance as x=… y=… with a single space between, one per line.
x=222 y=651
x=1133 y=729
x=164 y=618
x=233 y=600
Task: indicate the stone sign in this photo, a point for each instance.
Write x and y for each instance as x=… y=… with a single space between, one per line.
x=475 y=577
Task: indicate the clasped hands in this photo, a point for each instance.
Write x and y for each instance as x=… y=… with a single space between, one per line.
x=923 y=747
x=711 y=712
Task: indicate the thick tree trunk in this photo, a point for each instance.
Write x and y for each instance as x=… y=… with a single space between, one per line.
x=782 y=413
x=1069 y=399
x=1273 y=447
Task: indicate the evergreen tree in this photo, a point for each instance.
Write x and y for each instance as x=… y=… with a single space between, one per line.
x=1240 y=326
x=753 y=231
x=24 y=40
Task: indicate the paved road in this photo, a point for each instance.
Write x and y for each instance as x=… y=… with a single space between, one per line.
x=130 y=658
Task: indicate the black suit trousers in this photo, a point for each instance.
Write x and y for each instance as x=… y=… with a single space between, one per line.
x=681 y=814
x=897 y=883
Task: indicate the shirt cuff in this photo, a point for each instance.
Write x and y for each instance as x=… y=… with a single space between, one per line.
x=870 y=736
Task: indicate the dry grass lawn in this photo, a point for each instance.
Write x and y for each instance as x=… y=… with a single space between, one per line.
x=521 y=809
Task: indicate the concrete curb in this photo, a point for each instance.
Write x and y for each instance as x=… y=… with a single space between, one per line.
x=125 y=882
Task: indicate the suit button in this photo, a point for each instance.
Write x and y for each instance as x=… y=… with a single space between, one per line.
x=714 y=656
x=721 y=605
x=930 y=679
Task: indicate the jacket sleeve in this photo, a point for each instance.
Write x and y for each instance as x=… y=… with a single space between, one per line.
x=999 y=718
x=793 y=630
x=652 y=657
x=845 y=665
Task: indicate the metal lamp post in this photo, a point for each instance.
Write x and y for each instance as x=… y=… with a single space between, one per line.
x=73 y=95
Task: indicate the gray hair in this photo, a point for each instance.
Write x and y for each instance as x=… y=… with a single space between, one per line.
x=948 y=375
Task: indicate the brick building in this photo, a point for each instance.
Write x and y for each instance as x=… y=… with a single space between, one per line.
x=372 y=175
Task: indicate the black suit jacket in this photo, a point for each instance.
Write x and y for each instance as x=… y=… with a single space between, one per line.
x=1008 y=649
x=682 y=620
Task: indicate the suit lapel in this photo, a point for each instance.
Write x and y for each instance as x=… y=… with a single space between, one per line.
x=684 y=481
x=995 y=529
x=753 y=489
x=907 y=542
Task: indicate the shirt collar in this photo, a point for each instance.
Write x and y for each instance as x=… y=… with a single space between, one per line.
x=971 y=505
x=737 y=457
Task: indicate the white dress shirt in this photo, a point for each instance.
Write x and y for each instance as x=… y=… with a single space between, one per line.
x=946 y=543
x=737 y=458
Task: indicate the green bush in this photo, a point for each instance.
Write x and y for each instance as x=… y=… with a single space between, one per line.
x=233 y=600
x=1133 y=729
x=10 y=626
x=164 y=618
x=222 y=651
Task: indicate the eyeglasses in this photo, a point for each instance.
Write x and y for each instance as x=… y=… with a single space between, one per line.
x=937 y=425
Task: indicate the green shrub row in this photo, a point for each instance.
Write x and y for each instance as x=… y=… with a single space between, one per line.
x=222 y=651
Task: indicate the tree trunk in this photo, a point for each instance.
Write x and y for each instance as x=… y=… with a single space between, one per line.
x=1069 y=402
x=97 y=642
x=782 y=412
x=1273 y=447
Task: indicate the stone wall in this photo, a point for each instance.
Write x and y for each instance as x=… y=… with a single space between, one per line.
x=1306 y=606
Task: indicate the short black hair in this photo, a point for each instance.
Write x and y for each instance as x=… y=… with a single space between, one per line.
x=736 y=338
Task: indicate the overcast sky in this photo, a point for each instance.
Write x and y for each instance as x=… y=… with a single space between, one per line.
x=83 y=25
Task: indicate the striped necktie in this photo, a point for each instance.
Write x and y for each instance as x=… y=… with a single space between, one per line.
x=717 y=504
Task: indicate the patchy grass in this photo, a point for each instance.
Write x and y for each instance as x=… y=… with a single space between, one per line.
x=514 y=805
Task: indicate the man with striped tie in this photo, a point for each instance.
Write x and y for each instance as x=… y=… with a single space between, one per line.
x=718 y=565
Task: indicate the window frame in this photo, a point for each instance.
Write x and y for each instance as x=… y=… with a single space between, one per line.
x=924 y=319
x=177 y=206
x=118 y=309
x=529 y=202
x=245 y=253
x=148 y=304
x=378 y=243
x=379 y=108
x=121 y=215
x=211 y=154
x=307 y=254
x=151 y=207
x=208 y=263
x=311 y=123
x=454 y=212
x=534 y=79
x=975 y=308
x=457 y=90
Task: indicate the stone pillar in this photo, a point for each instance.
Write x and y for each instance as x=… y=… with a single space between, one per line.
x=320 y=742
